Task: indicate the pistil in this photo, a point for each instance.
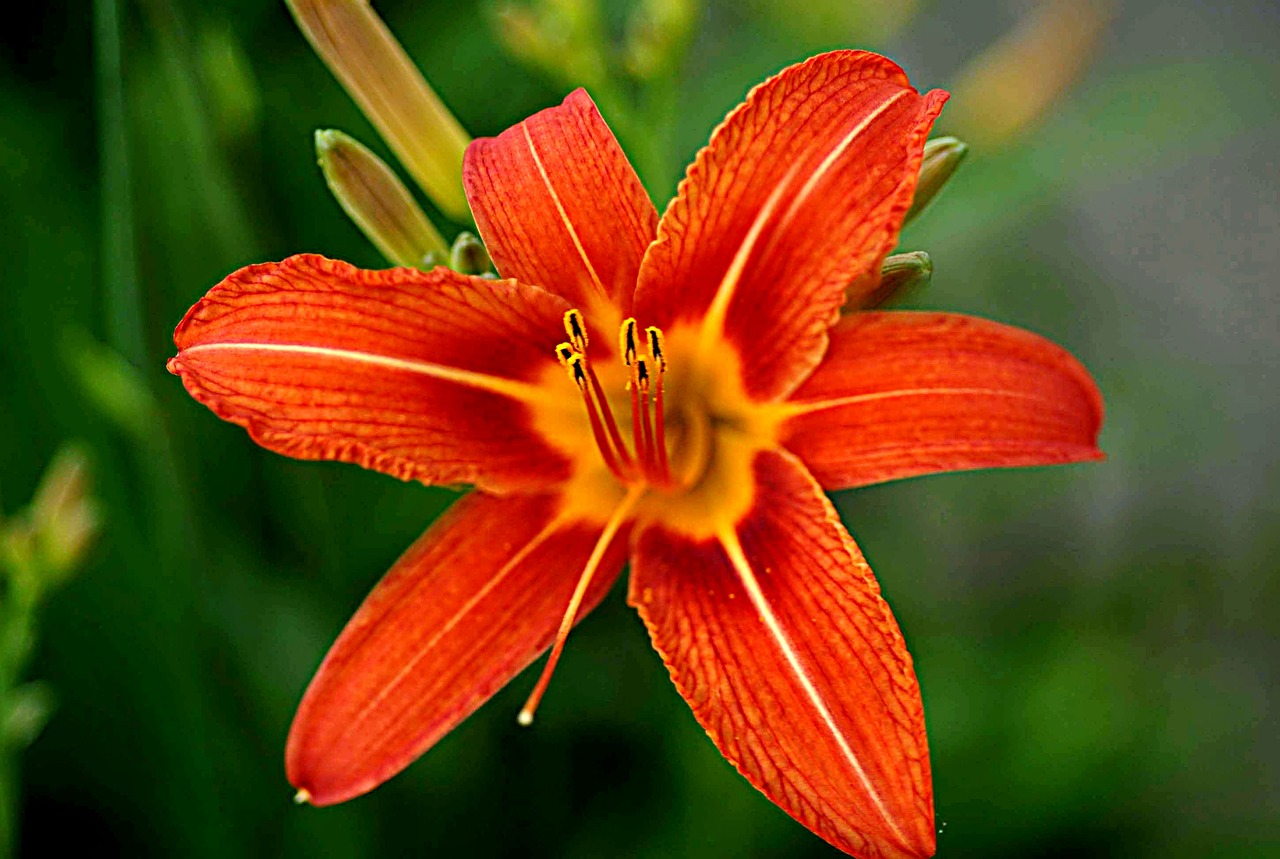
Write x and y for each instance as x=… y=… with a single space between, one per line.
x=648 y=467
x=620 y=515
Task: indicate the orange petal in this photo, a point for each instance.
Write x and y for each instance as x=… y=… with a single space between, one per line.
x=474 y=601
x=800 y=193
x=423 y=375
x=559 y=205
x=776 y=635
x=901 y=394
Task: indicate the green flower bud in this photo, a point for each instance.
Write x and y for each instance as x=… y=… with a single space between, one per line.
x=43 y=545
x=468 y=255
x=363 y=55
x=65 y=519
x=899 y=274
x=942 y=156
x=376 y=200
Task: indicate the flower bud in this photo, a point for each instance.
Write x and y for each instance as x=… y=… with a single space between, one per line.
x=468 y=255
x=64 y=517
x=898 y=274
x=372 y=66
x=1008 y=88
x=942 y=156
x=43 y=545
x=376 y=200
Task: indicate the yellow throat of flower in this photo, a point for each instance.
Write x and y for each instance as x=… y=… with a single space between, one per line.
x=687 y=434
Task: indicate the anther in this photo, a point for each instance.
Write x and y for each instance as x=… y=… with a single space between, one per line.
x=576 y=330
x=656 y=350
x=576 y=371
x=565 y=353
x=627 y=341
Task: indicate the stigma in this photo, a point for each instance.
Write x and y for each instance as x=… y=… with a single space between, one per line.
x=644 y=461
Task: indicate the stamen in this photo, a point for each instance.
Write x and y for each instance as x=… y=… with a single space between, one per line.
x=615 y=436
x=627 y=341
x=646 y=453
x=575 y=364
x=637 y=431
x=576 y=330
x=611 y=527
x=660 y=434
x=656 y=350
x=658 y=353
x=648 y=408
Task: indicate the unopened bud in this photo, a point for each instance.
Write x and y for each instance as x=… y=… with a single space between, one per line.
x=1008 y=88
x=376 y=200
x=42 y=546
x=900 y=273
x=468 y=255
x=942 y=157
x=64 y=518
x=376 y=72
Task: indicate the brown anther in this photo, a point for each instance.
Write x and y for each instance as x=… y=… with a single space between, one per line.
x=627 y=341
x=565 y=353
x=642 y=375
x=577 y=372
x=656 y=350
x=576 y=330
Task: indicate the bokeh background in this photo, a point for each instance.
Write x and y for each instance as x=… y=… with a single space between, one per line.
x=1097 y=644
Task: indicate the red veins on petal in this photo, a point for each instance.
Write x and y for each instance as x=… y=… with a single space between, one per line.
x=778 y=638
x=424 y=376
x=473 y=602
x=801 y=192
x=559 y=205
x=901 y=394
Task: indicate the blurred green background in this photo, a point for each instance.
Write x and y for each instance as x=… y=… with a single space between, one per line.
x=1096 y=644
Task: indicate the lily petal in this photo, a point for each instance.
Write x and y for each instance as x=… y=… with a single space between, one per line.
x=473 y=602
x=423 y=375
x=901 y=394
x=801 y=192
x=559 y=205
x=776 y=635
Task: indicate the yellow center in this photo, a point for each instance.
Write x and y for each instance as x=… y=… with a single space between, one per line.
x=669 y=417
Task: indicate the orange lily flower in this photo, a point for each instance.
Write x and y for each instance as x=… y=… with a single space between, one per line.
x=676 y=392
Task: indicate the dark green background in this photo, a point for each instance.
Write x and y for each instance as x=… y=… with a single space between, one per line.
x=1096 y=643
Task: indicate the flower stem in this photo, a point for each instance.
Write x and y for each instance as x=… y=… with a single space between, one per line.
x=119 y=263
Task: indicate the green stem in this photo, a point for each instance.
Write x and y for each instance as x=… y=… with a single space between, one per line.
x=17 y=629
x=119 y=263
